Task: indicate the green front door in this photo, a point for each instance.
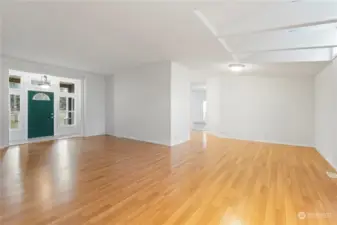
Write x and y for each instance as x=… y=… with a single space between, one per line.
x=40 y=114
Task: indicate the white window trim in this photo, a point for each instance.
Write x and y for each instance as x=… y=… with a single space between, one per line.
x=18 y=92
x=19 y=112
x=67 y=95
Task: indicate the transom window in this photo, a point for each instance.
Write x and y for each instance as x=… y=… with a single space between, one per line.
x=41 y=97
x=67 y=87
x=14 y=82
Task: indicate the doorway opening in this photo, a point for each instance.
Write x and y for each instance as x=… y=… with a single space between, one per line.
x=198 y=106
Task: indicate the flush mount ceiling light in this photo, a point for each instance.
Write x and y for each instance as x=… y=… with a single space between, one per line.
x=236 y=67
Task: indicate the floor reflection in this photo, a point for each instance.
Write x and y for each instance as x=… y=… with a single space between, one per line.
x=46 y=170
x=204 y=139
x=12 y=174
x=63 y=170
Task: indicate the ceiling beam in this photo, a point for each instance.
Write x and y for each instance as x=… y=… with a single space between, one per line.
x=222 y=41
x=281 y=40
x=304 y=55
x=290 y=27
x=287 y=49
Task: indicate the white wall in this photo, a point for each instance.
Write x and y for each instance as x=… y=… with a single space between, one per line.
x=94 y=105
x=151 y=103
x=93 y=100
x=197 y=99
x=261 y=108
x=180 y=104
x=213 y=117
x=109 y=105
x=326 y=113
x=1 y=90
x=142 y=103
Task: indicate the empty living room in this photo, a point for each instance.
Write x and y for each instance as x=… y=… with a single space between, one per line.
x=168 y=112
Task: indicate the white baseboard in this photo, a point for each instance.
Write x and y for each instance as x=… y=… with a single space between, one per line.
x=150 y=141
x=327 y=159
x=331 y=164
x=197 y=129
x=37 y=140
x=95 y=135
x=179 y=142
x=199 y=122
x=262 y=141
x=147 y=141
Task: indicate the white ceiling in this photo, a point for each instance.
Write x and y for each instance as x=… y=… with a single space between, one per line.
x=274 y=37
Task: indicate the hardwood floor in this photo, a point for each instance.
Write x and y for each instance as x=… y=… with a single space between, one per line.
x=104 y=180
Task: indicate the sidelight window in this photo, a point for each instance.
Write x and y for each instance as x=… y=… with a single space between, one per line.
x=14 y=111
x=67 y=111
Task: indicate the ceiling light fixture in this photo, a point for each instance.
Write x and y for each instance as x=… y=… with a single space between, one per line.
x=236 y=67
x=44 y=83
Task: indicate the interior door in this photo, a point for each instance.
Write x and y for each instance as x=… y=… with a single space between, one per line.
x=40 y=114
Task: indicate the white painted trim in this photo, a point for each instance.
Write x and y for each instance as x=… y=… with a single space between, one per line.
x=179 y=143
x=332 y=165
x=262 y=141
x=95 y=135
x=326 y=159
x=197 y=129
x=201 y=121
x=146 y=141
x=41 y=68
x=37 y=140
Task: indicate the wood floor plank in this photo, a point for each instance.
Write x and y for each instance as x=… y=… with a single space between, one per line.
x=208 y=180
